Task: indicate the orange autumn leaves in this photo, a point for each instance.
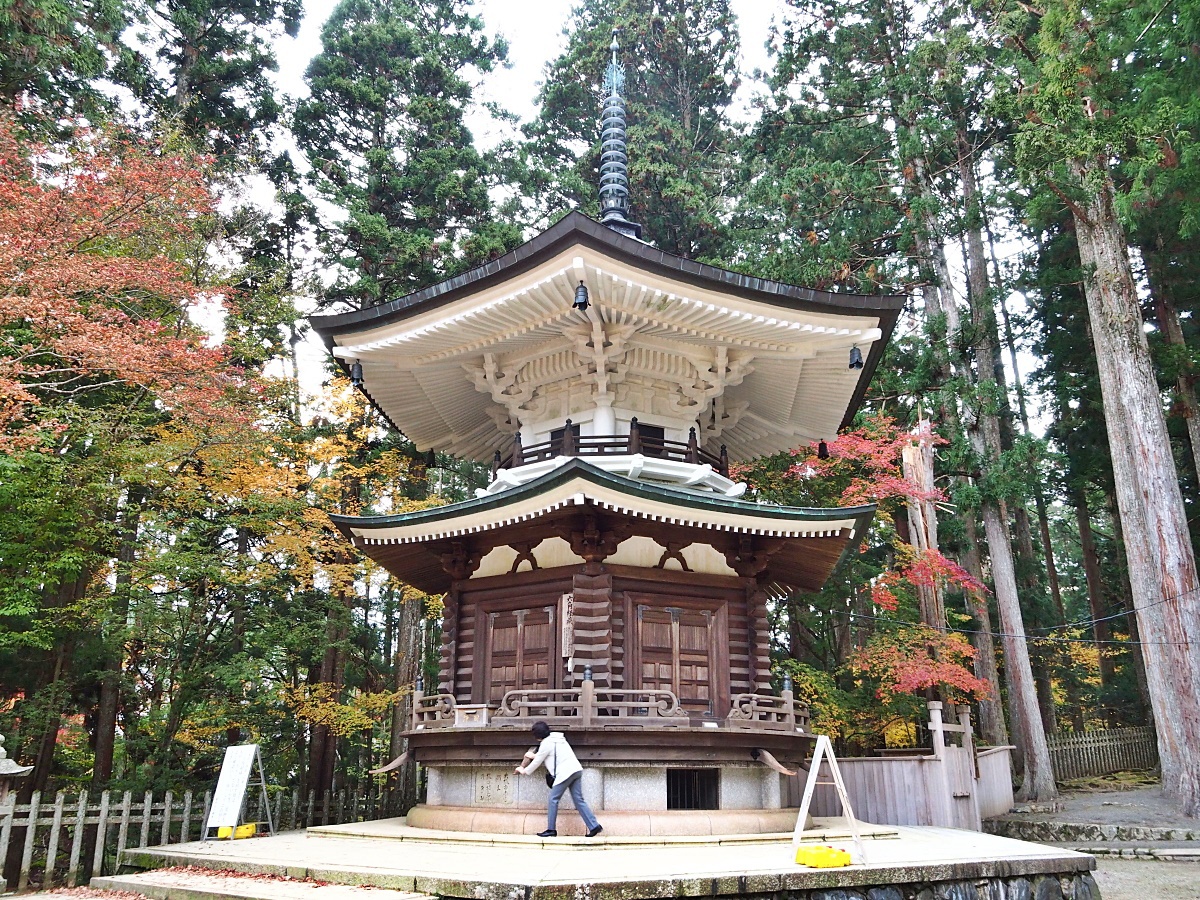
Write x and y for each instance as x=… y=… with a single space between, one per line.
x=91 y=298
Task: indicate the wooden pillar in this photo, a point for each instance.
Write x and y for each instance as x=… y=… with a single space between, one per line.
x=935 y=728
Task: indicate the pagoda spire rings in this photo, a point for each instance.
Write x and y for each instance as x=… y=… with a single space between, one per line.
x=614 y=156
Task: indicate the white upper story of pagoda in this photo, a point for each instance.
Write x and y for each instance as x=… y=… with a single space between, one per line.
x=500 y=356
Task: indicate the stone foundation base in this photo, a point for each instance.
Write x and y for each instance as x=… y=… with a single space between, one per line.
x=617 y=823
x=1035 y=887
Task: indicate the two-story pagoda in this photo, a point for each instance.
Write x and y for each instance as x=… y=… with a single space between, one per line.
x=613 y=579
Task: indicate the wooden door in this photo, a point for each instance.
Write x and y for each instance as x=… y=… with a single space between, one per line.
x=675 y=653
x=520 y=651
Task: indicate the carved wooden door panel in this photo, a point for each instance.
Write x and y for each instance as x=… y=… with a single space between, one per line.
x=520 y=650
x=657 y=644
x=675 y=648
x=695 y=666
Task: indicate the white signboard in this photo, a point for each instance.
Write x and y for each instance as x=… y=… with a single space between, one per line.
x=226 y=806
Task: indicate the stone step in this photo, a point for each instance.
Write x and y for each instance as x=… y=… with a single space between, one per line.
x=190 y=883
x=1076 y=832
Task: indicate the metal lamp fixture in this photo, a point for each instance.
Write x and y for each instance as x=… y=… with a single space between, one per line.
x=356 y=377
x=581 y=297
x=856 y=360
x=822 y=450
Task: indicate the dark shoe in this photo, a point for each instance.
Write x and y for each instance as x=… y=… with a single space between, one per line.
x=595 y=831
x=549 y=832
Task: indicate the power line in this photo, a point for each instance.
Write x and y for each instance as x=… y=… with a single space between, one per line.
x=1005 y=634
x=1119 y=615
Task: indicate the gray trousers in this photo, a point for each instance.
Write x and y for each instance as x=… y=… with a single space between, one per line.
x=571 y=784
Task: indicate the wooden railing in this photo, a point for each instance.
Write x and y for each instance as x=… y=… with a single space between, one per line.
x=762 y=712
x=432 y=711
x=570 y=444
x=589 y=705
x=67 y=839
x=1102 y=752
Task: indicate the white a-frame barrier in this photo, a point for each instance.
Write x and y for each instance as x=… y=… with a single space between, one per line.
x=823 y=752
x=226 y=808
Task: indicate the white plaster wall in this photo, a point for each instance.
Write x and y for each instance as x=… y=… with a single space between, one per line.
x=644 y=552
x=551 y=553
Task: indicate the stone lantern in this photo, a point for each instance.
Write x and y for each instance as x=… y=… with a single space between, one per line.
x=9 y=772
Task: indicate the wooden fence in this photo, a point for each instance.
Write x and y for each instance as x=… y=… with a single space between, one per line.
x=948 y=785
x=1102 y=752
x=59 y=843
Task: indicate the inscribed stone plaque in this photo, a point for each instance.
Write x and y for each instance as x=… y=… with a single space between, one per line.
x=494 y=788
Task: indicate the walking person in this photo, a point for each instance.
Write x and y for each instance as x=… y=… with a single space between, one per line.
x=564 y=774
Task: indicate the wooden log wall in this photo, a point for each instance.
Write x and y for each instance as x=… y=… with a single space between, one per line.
x=593 y=627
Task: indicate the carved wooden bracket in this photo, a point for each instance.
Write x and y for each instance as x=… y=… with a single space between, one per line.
x=593 y=543
x=524 y=554
x=675 y=551
x=461 y=561
x=750 y=556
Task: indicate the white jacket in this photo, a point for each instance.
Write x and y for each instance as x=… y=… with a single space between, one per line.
x=556 y=753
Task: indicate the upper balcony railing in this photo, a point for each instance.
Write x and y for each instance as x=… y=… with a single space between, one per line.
x=568 y=443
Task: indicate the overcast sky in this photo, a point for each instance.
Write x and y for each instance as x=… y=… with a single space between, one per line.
x=534 y=30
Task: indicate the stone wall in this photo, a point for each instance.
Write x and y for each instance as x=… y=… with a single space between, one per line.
x=1033 y=887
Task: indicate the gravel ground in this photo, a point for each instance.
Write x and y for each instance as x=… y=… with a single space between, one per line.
x=1118 y=805
x=1135 y=879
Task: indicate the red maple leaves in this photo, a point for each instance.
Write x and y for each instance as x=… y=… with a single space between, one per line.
x=90 y=298
x=869 y=457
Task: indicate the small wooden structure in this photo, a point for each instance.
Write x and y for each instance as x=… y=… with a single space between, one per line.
x=953 y=785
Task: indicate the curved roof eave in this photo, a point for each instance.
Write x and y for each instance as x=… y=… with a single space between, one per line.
x=576 y=228
x=576 y=467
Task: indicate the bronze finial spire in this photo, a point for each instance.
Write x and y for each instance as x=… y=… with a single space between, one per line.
x=614 y=160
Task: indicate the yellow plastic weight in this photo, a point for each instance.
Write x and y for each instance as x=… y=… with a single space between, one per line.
x=243 y=831
x=819 y=856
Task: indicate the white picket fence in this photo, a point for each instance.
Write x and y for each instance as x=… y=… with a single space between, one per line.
x=59 y=838
x=1102 y=752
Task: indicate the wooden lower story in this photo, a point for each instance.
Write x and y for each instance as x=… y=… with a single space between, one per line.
x=702 y=637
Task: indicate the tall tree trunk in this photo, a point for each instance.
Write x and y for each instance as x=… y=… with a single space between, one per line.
x=110 y=681
x=1039 y=496
x=323 y=742
x=1101 y=632
x=992 y=726
x=1038 y=781
x=917 y=466
x=1169 y=323
x=1162 y=567
x=1125 y=599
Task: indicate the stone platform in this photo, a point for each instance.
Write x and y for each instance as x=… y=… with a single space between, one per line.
x=902 y=863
